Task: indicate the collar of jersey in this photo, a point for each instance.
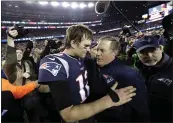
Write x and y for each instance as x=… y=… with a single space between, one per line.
x=73 y=57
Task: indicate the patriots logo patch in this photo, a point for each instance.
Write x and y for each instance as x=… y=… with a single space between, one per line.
x=52 y=67
x=108 y=78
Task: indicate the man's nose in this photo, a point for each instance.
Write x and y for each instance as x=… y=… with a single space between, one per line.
x=149 y=54
x=88 y=49
x=98 y=53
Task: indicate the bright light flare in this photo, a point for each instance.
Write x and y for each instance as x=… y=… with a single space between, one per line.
x=65 y=4
x=54 y=3
x=43 y=2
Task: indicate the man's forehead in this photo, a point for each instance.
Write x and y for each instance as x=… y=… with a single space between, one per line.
x=18 y=50
x=104 y=42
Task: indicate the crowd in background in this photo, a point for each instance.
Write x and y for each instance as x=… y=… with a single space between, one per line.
x=21 y=62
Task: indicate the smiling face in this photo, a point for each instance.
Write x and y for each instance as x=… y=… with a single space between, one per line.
x=19 y=55
x=81 y=49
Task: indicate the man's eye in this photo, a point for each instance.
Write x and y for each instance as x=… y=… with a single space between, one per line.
x=86 y=46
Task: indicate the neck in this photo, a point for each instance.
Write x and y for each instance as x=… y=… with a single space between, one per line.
x=69 y=52
x=19 y=62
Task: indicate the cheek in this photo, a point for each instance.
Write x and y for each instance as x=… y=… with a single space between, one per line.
x=140 y=57
x=107 y=58
x=94 y=51
x=158 y=55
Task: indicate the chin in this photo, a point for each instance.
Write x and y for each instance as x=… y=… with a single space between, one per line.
x=150 y=64
x=83 y=56
x=100 y=64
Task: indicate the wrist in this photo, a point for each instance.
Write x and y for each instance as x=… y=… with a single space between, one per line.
x=10 y=38
x=108 y=101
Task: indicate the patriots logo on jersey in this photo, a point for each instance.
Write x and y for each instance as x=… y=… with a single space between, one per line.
x=52 y=67
x=108 y=78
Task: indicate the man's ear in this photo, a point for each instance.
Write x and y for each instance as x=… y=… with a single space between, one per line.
x=161 y=47
x=115 y=52
x=73 y=44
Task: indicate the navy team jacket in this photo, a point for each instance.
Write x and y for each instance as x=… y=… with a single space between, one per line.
x=135 y=110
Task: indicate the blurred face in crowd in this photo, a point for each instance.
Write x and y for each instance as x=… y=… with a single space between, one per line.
x=93 y=52
x=150 y=56
x=34 y=44
x=105 y=54
x=19 y=55
x=81 y=49
x=131 y=40
x=45 y=42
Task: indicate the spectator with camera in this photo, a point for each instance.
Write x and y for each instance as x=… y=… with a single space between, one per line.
x=18 y=72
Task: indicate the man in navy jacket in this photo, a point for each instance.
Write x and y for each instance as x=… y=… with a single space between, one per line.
x=156 y=67
x=113 y=70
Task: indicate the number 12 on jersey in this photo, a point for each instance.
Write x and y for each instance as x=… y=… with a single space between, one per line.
x=80 y=79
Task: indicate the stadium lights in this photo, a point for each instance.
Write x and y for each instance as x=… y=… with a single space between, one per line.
x=43 y=2
x=65 y=4
x=54 y=3
x=74 y=5
x=82 y=5
x=29 y=1
x=90 y=5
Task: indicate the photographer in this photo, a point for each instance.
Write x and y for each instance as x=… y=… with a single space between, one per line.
x=29 y=58
x=18 y=72
x=14 y=65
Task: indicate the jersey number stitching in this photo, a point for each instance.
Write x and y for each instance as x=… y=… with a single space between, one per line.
x=82 y=91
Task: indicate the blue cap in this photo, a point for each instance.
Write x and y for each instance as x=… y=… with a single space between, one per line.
x=145 y=42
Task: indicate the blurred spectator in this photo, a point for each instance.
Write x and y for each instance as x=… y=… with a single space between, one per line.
x=11 y=110
x=19 y=71
x=167 y=23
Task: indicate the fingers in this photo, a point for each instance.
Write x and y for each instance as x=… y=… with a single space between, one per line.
x=10 y=28
x=131 y=95
x=13 y=33
x=114 y=86
x=129 y=88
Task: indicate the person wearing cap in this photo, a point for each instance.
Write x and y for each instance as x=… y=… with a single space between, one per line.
x=156 y=68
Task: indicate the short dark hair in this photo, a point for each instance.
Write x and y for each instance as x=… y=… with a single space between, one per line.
x=19 y=48
x=115 y=44
x=76 y=32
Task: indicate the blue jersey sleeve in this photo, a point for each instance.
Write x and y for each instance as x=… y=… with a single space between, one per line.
x=51 y=70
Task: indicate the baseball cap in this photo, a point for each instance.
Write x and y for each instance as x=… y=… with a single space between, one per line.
x=145 y=42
